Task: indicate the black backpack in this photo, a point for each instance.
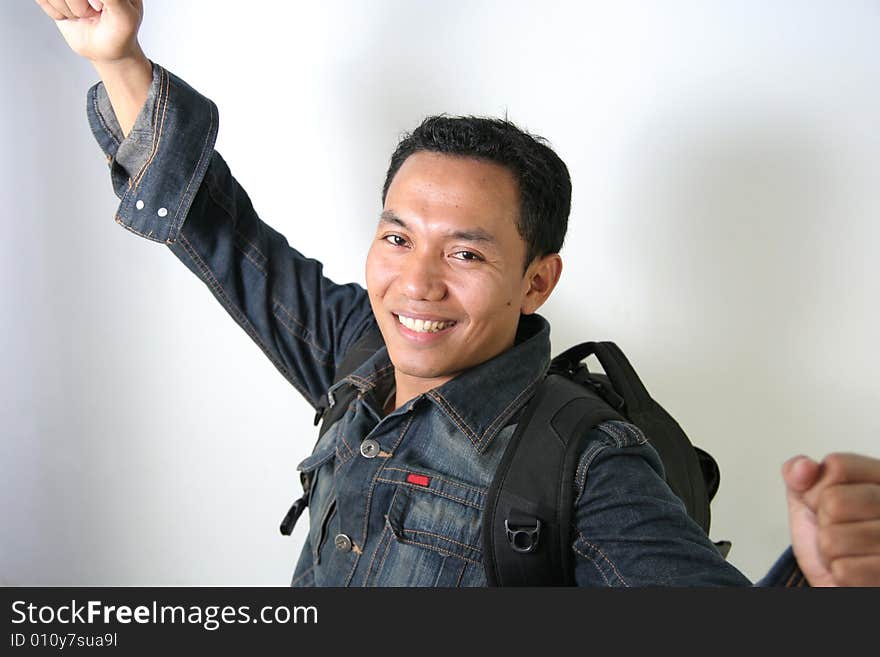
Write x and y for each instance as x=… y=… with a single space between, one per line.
x=526 y=532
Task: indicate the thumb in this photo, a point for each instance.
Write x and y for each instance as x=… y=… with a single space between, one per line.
x=800 y=473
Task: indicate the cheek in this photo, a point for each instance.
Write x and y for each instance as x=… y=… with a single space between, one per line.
x=376 y=274
x=487 y=298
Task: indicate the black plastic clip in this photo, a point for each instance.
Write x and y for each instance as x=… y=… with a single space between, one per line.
x=523 y=538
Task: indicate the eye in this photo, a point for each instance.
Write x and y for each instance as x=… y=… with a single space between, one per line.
x=395 y=240
x=468 y=256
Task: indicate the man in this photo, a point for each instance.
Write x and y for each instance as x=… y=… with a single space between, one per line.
x=465 y=253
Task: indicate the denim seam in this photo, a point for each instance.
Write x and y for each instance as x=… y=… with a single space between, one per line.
x=307 y=337
x=300 y=577
x=445 y=553
x=623 y=435
x=385 y=553
x=795 y=579
x=342 y=435
x=177 y=220
x=361 y=383
x=481 y=491
x=444 y=538
x=293 y=333
x=378 y=374
x=324 y=523
x=595 y=565
x=375 y=552
x=225 y=200
x=369 y=499
x=455 y=417
x=433 y=492
x=243 y=321
x=587 y=459
x=95 y=107
x=158 y=126
x=251 y=245
x=460 y=575
x=341 y=458
x=509 y=409
x=119 y=220
x=604 y=557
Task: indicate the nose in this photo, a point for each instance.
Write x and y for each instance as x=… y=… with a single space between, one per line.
x=422 y=278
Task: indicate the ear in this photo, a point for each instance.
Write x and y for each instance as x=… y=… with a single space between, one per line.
x=539 y=280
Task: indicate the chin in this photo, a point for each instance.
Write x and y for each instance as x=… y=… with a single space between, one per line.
x=419 y=369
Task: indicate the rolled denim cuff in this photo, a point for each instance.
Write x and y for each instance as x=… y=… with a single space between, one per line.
x=157 y=169
x=785 y=572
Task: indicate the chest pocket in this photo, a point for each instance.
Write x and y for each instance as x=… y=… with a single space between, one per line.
x=432 y=532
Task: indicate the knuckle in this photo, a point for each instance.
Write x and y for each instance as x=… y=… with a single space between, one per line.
x=844 y=572
x=833 y=503
x=835 y=464
x=828 y=542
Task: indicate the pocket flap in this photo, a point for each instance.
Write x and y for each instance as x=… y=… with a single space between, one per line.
x=437 y=523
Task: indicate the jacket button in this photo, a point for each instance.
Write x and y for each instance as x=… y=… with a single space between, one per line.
x=342 y=542
x=369 y=448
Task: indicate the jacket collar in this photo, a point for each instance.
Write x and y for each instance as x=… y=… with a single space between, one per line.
x=481 y=400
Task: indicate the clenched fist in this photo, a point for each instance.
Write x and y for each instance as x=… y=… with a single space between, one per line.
x=834 y=516
x=99 y=30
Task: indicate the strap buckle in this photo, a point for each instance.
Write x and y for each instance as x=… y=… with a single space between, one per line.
x=523 y=538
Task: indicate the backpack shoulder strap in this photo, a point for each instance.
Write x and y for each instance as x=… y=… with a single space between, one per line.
x=363 y=348
x=526 y=531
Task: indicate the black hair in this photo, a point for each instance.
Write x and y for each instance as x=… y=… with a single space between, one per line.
x=542 y=177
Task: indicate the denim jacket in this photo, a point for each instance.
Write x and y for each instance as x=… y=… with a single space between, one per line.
x=396 y=499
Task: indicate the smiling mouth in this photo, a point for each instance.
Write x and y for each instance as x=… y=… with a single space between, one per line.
x=424 y=326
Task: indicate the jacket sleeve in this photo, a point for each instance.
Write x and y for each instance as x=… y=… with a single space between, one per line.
x=630 y=528
x=174 y=188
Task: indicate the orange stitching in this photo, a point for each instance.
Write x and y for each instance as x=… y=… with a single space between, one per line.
x=242 y=321
x=198 y=166
x=481 y=491
x=300 y=578
x=595 y=565
x=473 y=505
x=445 y=553
x=373 y=487
x=308 y=335
x=373 y=560
x=602 y=554
x=505 y=414
x=384 y=556
x=161 y=101
x=445 y=538
x=455 y=417
x=103 y=123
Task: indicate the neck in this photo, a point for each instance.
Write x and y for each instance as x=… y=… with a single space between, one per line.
x=409 y=387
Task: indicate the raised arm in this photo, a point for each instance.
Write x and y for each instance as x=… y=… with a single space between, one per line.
x=158 y=135
x=105 y=33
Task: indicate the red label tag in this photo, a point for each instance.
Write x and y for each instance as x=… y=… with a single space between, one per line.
x=418 y=480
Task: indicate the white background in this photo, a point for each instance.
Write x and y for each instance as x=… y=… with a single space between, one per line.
x=724 y=232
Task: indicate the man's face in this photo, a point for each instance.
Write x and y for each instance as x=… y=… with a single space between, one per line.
x=447 y=252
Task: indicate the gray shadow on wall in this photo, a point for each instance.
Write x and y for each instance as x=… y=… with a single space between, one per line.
x=724 y=223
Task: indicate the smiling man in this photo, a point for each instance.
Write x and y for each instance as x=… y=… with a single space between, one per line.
x=466 y=250
x=449 y=273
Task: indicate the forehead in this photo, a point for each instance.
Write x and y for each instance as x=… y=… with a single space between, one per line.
x=460 y=192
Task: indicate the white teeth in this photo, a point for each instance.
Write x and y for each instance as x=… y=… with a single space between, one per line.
x=423 y=326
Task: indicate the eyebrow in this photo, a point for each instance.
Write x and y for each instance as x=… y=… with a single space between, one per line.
x=470 y=235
